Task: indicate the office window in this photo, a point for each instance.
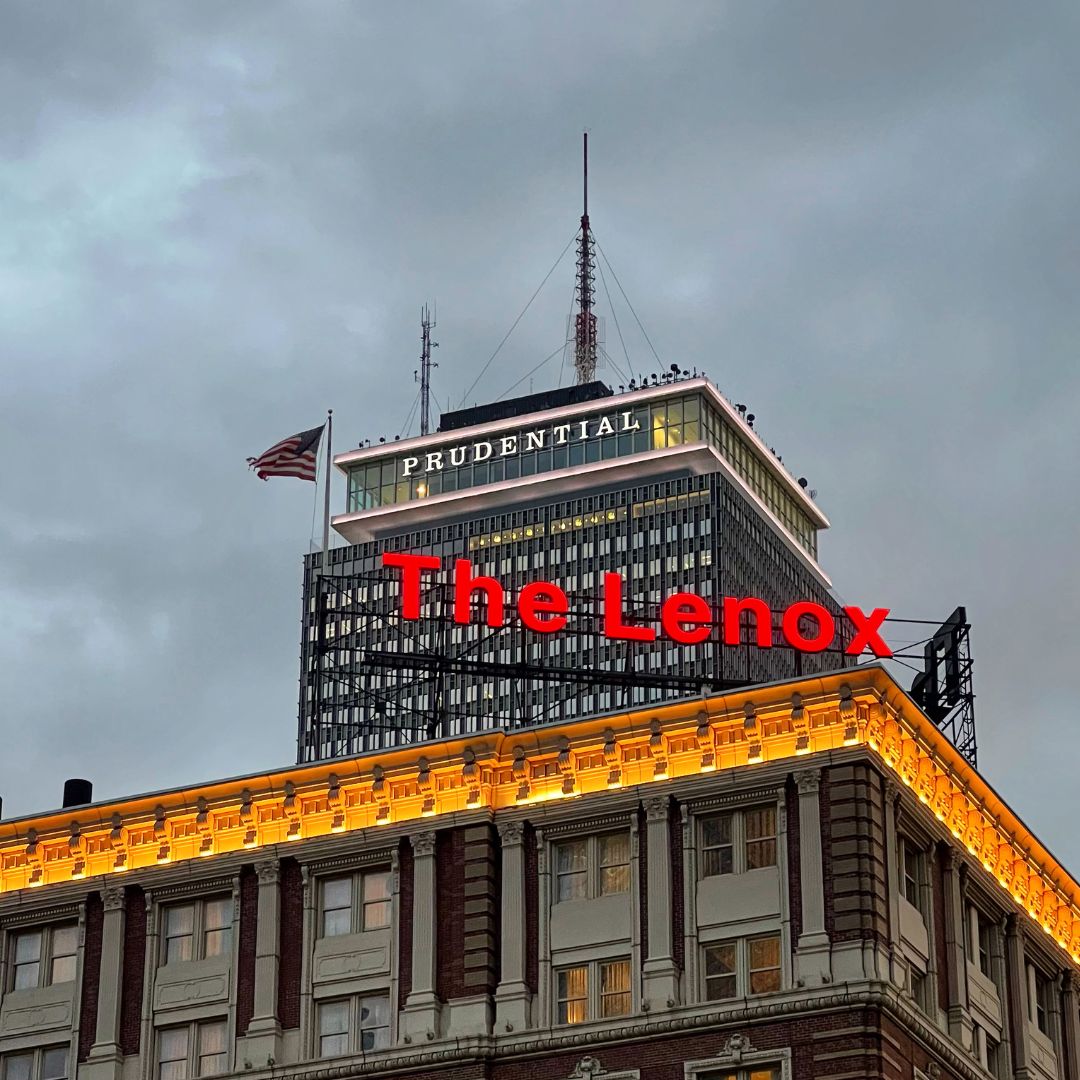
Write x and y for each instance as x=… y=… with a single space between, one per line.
x=742 y=967
x=913 y=868
x=592 y=866
x=979 y=940
x=50 y=1063
x=193 y=1050
x=354 y=1025
x=198 y=930
x=1039 y=994
x=737 y=841
x=356 y=902
x=44 y=956
x=597 y=990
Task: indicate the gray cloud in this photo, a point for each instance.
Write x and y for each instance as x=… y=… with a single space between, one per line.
x=219 y=220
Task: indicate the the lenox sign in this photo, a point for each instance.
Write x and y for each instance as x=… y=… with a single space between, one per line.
x=521 y=442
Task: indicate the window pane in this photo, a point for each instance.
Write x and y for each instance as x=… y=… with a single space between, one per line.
x=63 y=969
x=374 y=1022
x=760 y=853
x=764 y=965
x=26 y=976
x=376 y=892
x=337 y=907
x=716 y=861
x=65 y=940
x=28 y=947
x=571 y=862
x=179 y=920
x=573 y=995
x=218 y=913
x=172 y=1053
x=716 y=830
x=377 y=886
x=218 y=942
x=720 y=971
x=571 y=857
x=615 y=988
x=334 y=1018
x=54 y=1063
x=614 y=864
x=18 y=1066
x=212 y=1048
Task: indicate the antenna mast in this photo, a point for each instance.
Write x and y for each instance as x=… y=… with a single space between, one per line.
x=423 y=375
x=585 y=328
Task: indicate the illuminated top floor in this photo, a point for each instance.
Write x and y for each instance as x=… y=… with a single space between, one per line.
x=688 y=425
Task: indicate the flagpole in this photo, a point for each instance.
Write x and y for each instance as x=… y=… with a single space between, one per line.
x=326 y=491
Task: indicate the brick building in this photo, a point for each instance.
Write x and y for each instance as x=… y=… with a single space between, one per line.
x=794 y=879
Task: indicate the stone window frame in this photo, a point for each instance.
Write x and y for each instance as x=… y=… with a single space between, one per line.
x=548 y=836
x=739 y=839
x=153 y=1020
x=314 y=869
x=198 y=926
x=355 y=1026
x=46 y=928
x=593 y=865
x=192 y=1026
x=739 y=1054
x=742 y=966
x=357 y=904
x=753 y=791
x=593 y=991
x=37 y=1054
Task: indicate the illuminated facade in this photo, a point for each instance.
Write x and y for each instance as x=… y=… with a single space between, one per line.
x=670 y=486
x=788 y=881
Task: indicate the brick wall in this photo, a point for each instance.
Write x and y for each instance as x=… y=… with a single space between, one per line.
x=449 y=904
x=405 y=917
x=134 y=965
x=791 y=802
x=91 y=974
x=532 y=910
x=481 y=911
x=246 y=939
x=853 y=843
x=290 y=942
x=678 y=912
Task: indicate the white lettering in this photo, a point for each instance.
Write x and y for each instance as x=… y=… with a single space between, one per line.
x=410 y=463
x=481 y=451
x=627 y=426
x=534 y=440
x=561 y=433
x=457 y=455
x=508 y=446
x=584 y=425
x=434 y=461
x=604 y=427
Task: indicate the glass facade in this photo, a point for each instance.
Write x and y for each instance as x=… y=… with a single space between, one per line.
x=690 y=533
x=603 y=434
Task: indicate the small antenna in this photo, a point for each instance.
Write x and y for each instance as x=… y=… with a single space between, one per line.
x=423 y=376
x=585 y=329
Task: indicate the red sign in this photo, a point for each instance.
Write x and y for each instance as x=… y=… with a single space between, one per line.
x=686 y=618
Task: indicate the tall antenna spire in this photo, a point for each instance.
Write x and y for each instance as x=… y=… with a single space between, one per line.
x=585 y=327
x=423 y=375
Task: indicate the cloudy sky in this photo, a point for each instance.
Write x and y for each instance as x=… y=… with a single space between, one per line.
x=218 y=220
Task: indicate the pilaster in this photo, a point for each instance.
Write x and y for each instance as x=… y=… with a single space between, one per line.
x=513 y=1000
x=105 y=1059
x=1017 y=987
x=660 y=986
x=959 y=1018
x=421 y=1015
x=813 y=963
x=263 y=1039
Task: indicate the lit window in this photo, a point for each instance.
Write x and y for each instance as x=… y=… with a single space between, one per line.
x=193 y=1050
x=45 y=956
x=600 y=989
x=50 y=1063
x=354 y=1025
x=742 y=967
x=355 y=903
x=593 y=866
x=198 y=930
x=734 y=842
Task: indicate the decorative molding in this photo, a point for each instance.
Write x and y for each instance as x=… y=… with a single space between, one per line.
x=559 y=829
x=423 y=843
x=657 y=807
x=113 y=897
x=269 y=872
x=808 y=781
x=704 y=803
x=589 y=1068
x=354 y=860
x=511 y=833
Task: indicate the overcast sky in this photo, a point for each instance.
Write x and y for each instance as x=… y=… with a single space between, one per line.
x=218 y=220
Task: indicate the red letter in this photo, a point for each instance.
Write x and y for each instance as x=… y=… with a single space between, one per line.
x=762 y=620
x=683 y=611
x=465 y=585
x=542 y=598
x=826 y=627
x=412 y=566
x=614 y=627
x=866 y=631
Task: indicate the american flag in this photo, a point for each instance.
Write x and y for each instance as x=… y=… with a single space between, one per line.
x=294 y=456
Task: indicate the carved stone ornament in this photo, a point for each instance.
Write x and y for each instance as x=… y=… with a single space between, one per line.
x=656 y=808
x=808 y=781
x=511 y=832
x=112 y=898
x=587 y=1068
x=735 y=1048
x=268 y=872
x=423 y=843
